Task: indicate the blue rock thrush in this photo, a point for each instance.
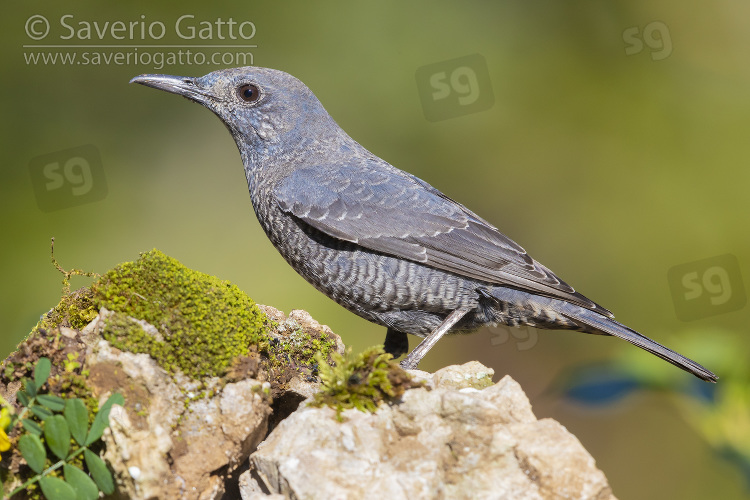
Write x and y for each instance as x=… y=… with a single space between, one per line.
x=379 y=241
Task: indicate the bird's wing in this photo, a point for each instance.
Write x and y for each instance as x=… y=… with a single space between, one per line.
x=387 y=210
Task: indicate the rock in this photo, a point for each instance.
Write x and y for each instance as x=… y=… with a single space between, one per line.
x=456 y=438
x=250 y=489
x=188 y=436
x=470 y=375
x=292 y=383
x=296 y=330
x=180 y=437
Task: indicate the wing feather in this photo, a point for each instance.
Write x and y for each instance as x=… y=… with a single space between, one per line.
x=387 y=210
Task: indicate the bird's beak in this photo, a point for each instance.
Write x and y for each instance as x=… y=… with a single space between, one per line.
x=181 y=85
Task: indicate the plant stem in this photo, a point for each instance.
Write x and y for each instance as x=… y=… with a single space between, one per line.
x=47 y=471
x=24 y=411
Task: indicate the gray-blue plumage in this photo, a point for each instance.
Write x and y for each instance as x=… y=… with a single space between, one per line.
x=379 y=241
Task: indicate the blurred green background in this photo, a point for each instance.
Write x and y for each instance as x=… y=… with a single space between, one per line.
x=608 y=168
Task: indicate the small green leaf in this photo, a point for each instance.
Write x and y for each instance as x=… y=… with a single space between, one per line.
x=41 y=371
x=31 y=426
x=32 y=451
x=54 y=403
x=99 y=472
x=57 y=435
x=41 y=412
x=85 y=488
x=29 y=387
x=22 y=398
x=101 y=421
x=78 y=419
x=56 y=489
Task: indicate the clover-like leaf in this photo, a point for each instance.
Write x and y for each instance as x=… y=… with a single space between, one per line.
x=54 y=403
x=85 y=488
x=78 y=419
x=31 y=426
x=41 y=412
x=32 y=451
x=22 y=398
x=42 y=371
x=56 y=489
x=101 y=421
x=99 y=472
x=29 y=387
x=57 y=435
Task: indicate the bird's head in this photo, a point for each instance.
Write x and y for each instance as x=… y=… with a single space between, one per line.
x=264 y=109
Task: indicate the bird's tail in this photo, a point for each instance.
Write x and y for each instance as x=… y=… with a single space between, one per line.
x=609 y=326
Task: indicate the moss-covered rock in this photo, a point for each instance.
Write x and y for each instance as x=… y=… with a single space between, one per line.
x=202 y=336
x=202 y=326
x=205 y=323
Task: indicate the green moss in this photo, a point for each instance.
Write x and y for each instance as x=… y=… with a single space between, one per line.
x=361 y=381
x=204 y=322
x=304 y=347
x=206 y=326
x=8 y=372
x=299 y=350
x=75 y=310
x=127 y=334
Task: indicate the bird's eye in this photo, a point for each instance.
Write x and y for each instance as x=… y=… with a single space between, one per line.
x=249 y=92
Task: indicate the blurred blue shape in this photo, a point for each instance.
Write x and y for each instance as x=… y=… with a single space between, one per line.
x=599 y=385
x=702 y=391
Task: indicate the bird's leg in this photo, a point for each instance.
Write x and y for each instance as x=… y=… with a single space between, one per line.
x=411 y=361
x=396 y=343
